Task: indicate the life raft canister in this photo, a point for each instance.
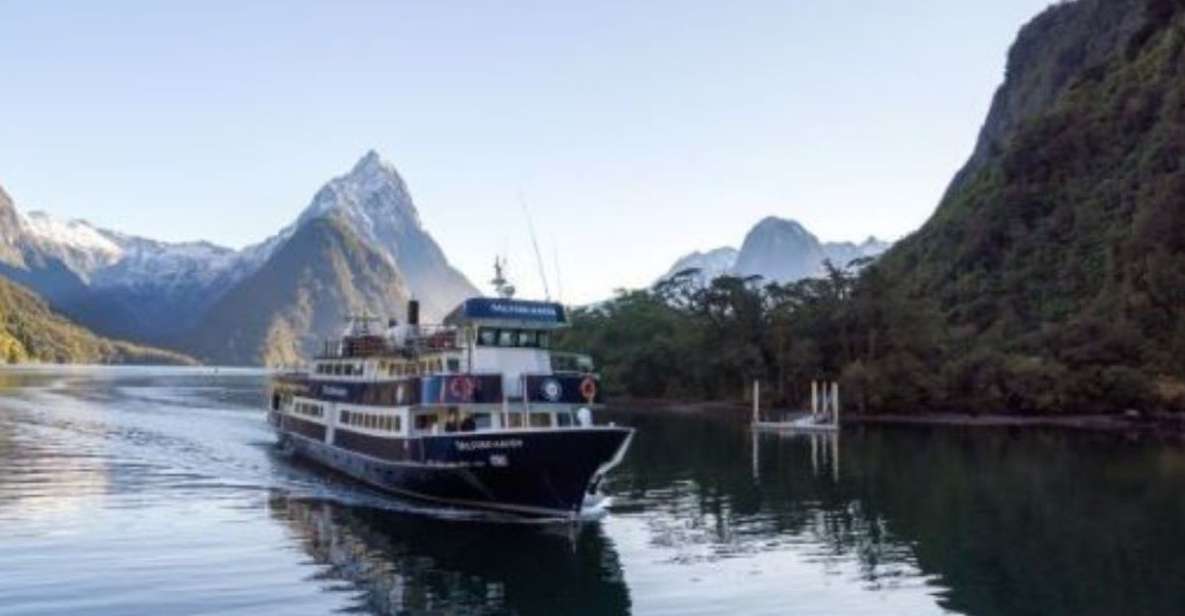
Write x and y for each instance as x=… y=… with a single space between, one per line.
x=588 y=388
x=461 y=387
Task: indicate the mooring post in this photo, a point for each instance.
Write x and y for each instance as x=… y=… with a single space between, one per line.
x=814 y=398
x=835 y=402
x=756 y=401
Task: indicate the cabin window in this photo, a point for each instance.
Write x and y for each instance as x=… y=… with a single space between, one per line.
x=540 y=420
x=487 y=336
x=454 y=364
x=514 y=420
x=425 y=422
x=482 y=421
x=345 y=417
x=544 y=340
x=563 y=420
x=506 y=337
x=528 y=338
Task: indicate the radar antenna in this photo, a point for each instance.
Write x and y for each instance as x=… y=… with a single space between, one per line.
x=502 y=286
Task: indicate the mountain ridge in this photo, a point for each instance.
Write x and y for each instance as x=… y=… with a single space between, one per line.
x=158 y=292
x=777 y=249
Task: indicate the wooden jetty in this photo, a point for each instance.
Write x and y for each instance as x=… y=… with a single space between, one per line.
x=823 y=416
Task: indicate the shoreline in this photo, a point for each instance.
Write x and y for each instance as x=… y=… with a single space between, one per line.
x=1160 y=423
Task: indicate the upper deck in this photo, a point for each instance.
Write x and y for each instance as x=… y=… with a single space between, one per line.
x=487 y=339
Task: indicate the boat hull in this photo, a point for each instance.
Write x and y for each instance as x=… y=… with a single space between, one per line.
x=539 y=473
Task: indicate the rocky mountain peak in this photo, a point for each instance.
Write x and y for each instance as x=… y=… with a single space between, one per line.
x=372 y=193
x=784 y=227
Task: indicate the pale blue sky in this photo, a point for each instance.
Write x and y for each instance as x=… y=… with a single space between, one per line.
x=638 y=131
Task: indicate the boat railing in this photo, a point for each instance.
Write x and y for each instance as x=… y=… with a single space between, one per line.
x=423 y=339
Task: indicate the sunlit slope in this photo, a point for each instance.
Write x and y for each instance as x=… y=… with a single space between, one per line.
x=31 y=332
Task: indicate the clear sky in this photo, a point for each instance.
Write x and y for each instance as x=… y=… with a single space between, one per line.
x=637 y=131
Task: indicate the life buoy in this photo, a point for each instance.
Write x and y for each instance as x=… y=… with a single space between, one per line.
x=461 y=387
x=588 y=388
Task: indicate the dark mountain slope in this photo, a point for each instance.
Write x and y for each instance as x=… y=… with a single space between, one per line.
x=300 y=296
x=1057 y=258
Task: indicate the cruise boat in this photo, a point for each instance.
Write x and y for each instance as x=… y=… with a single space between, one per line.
x=475 y=412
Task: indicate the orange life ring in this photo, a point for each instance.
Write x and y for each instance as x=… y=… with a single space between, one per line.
x=588 y=388
x=461 y=387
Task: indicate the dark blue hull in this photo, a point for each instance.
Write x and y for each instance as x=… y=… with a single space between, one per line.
x=538 y=473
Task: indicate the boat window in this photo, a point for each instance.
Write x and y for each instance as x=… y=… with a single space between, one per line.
x=454 y=364
x=345 y=417
x=544 y=340
x=540 y=420
x=506 y=337
x=515 y=420
x=487 y=336
x=528 y=338
x=425 y=422
x=563 y=420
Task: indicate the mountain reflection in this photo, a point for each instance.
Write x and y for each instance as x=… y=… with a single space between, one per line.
x=412 y=564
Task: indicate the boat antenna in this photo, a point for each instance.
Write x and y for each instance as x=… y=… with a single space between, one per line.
x=502 y=287
x=559 y=280
x=535 y=245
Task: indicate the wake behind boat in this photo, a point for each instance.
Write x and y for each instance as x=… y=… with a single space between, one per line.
x=476 y=412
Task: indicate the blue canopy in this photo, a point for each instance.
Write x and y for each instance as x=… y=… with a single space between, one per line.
x=501 y=311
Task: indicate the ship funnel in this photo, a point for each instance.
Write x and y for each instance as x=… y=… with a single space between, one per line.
x=413 y=312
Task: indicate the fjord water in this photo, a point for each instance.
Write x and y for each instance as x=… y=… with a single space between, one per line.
x=158 y=491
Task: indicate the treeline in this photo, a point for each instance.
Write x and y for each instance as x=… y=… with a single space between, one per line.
x=689 y=339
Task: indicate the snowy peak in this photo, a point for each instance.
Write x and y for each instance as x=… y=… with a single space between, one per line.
x=372 y=192
x=76 y=234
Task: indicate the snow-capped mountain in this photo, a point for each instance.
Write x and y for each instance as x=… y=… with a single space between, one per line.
x=374 y=201
x=778 y=250
x=159 y=292
x=711 y=264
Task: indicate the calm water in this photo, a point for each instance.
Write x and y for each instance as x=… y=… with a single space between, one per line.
x=126 y=491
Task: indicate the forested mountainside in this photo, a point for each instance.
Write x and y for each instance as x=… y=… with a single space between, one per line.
x=31 y=332
x=284 y=311
x=1051 y=277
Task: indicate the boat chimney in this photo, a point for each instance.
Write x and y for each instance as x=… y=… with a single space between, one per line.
x=413 y=312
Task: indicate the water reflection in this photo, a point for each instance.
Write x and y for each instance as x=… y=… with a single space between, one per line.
x=412 y=564
x=125 y=491
x=981 y=521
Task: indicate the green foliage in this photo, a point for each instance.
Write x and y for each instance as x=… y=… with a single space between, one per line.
x=31 y=332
